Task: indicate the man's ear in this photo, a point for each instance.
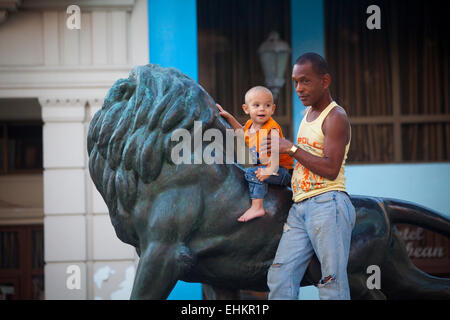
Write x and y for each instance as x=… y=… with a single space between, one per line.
x=326 y=81
x=245 y=108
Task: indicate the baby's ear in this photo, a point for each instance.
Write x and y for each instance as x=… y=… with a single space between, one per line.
x=274 y=107
x=245 y=108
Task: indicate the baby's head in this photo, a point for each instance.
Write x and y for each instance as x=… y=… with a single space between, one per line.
x=259 y=104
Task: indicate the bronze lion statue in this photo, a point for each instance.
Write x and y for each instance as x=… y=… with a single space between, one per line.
x=182 y=219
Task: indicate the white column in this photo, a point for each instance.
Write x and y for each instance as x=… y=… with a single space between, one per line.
x=51 y=43
x=77 y=227
x=111 y=263
x=65 y=205
x=138 y=34
x=100 y=38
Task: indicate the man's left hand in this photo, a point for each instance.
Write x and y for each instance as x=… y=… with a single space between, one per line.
x=284 y=145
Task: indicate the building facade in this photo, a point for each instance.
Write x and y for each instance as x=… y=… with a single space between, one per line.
x=54 y=76
x=57 y=76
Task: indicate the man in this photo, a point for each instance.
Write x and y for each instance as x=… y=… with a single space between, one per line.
x=322 y=217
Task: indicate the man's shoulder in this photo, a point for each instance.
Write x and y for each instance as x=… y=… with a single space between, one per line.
x=337 y=114
x=337 y=119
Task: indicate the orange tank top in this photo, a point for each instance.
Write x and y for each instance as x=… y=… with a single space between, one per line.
x=254 y=140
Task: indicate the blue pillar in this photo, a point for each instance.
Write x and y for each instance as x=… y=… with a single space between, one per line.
x=307 y=35
x=173 y=43
x=173 y=34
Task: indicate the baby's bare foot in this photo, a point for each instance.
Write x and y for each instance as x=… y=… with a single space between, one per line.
x=251 y=214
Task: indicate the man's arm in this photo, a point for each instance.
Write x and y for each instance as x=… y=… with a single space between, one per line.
x=336 y=129
x=230 y=119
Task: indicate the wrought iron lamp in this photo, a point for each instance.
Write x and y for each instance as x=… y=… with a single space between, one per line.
x=274 y=55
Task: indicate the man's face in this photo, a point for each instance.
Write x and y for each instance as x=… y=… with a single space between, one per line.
x=309 y=85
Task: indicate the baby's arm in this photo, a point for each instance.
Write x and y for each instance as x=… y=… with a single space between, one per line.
x=230 y=119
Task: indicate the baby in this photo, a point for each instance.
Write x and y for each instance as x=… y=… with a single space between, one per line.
x=259 y=105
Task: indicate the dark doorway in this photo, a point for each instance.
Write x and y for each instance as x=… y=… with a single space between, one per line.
x=21 y=262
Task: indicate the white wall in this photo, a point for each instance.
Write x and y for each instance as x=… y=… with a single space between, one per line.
x=69 y=72
x=427 y=184
x=41 y=57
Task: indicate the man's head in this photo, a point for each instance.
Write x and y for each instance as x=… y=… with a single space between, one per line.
x=311 y=78
x=259 y=104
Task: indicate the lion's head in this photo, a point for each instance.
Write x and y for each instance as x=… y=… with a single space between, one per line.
x=129 y=138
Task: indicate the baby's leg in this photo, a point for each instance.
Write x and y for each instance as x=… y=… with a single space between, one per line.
x=282 y=179
x=258 y=190
x=255 y=211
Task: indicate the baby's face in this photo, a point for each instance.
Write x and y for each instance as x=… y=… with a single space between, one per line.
x=259 y=106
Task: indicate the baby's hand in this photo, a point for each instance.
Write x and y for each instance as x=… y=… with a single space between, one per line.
x=261 y=177
x=222 y=112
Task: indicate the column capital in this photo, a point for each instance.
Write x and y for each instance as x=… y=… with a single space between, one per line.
x=61 y=101
x=95 y=104
x=58 y=109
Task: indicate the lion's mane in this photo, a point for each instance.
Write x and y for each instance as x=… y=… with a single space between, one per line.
x=129 y=137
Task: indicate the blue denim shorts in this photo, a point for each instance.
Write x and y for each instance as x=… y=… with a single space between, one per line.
x=259 y=189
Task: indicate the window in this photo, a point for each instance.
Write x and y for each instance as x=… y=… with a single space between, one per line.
x=393 y=82
x=20 y=147
x=22 y=262
x=229 y=35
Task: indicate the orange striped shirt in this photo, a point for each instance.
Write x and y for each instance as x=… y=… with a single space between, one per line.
x=285 y=160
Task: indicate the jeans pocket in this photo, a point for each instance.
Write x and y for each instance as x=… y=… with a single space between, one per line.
x=250 y=176
x=325 y=197
x=351 y=212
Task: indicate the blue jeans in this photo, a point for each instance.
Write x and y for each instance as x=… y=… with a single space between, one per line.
x=322 y=224
x=259 y=189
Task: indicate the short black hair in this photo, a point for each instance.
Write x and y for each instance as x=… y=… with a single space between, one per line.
x=319 y=65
